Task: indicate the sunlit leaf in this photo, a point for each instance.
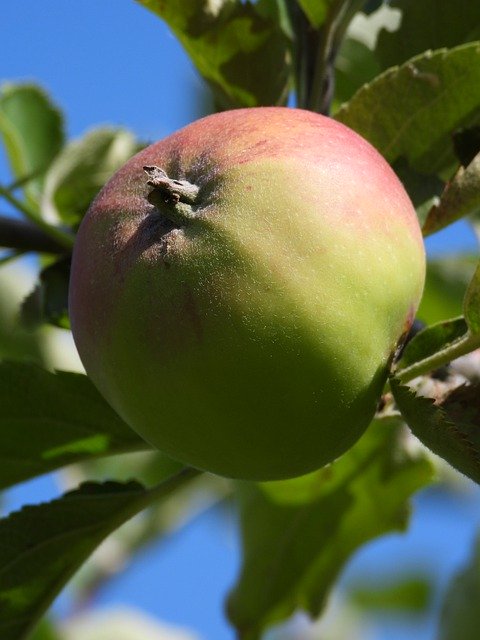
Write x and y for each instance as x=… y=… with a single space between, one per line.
x=427 y=342
x=471 y=305
x=239 y=48
x=411 y=111
x=81 y=169
x=32 y=130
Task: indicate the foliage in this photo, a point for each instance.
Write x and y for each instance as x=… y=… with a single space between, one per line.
x=414 y=92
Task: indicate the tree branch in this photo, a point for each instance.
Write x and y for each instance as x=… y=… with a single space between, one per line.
x=24 y=236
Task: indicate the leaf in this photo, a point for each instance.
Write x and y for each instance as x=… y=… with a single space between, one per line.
x=50 y=420
x=355 y=65
x=432 y=339
x=460 y=613
x=298 y=534
x=240 y=50
x=409 y=594
x=447 y=279
x=42 y=546
x=460 y=198
x=15 y=343
x=316 y=10
x=32 y=130
x=81 y=170
x=471 y=303
x=412 y=110
x=45 y=631
x=48 y=302
x=159 y=521
x=429 y=24
x=451 y=429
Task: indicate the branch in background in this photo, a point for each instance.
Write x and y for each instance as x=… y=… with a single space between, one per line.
x=24 y=236
x=316 y=50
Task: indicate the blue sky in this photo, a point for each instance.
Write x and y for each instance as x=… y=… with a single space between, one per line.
x=111 y=61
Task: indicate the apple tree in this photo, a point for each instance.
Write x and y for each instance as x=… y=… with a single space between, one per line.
x=403 y=75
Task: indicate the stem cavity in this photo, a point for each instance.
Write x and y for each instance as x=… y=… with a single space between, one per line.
x=174 y=198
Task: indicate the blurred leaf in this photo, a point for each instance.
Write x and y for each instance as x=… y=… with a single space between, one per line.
x=45 y=631
x=451 y=429
x=428 y=24
x=316 y=10
x=81 y=170
x=42 y=546
x=15 y=342
x=447 y=281
x=51 y=420
x=409 y=594
x=32 y=131
x=471 y=306
x=355 y=66
x=240 y=50
x=427 y=342
x=373 y=5
x=48 y=302
x=460 y=614
x=412 y=110
x=460 y=198
x=298 y=534
x=158 y=521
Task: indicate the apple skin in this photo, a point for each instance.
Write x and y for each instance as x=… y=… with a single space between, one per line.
x=249 y=334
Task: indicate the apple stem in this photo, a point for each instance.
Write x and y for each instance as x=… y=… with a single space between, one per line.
x=173 y=191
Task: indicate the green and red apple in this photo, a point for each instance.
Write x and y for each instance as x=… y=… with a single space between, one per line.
x=238 y=290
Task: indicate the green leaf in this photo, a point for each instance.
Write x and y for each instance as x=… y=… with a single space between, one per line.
x=460 y=198
x=42 y=546
x=32 y=131
x=446 y=283
x=316 y=10
x=355 y=66
x=239 y=48
x=298 y=534
x=427 y=342
x=45 y=631
x=451 y=429
x=460 y=614
x=48 y=302
x=158 y=521
x=428 y=24
x=412 y=110
x=471 y=304
x=15 y=342
x=409 y=594
x=81 y=170
x=50 y=420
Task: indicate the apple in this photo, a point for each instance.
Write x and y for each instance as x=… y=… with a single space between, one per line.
x=238 y=290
